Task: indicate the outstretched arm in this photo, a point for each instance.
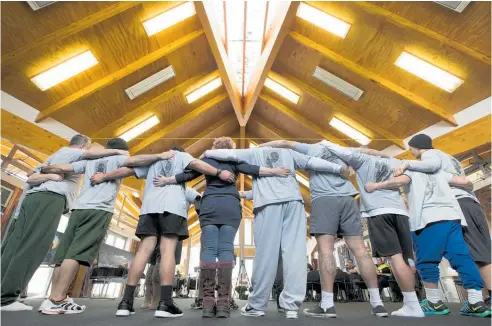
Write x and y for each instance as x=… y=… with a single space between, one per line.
x=148 y=159
x=97 y=152
x=373 y=152
x=256 y=171
x=57 y=168
x=205 y=168
x=461 y=182
x=321 y=165
x=280 y=144
x=38 y=178
x=394 y=183
x=233 y=155
x=120 y=173
x=430 y=162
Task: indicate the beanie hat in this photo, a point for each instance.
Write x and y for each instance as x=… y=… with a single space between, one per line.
x=421 y=141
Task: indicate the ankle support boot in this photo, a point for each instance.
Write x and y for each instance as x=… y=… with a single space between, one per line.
x=207 y=283
x=225 y=279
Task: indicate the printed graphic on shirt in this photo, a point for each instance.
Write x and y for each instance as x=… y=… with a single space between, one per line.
x=431 y=187
x=272 y=159
x=327 y=155
x=102 y=166
x=383 y=171
x=166 y=168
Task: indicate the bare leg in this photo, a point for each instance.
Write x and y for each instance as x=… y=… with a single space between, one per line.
x=56 y=274
x=168 y=263
x=327 y=264
x=145 y=250
x=66 y=273
x=365 y=264
x=403 y=273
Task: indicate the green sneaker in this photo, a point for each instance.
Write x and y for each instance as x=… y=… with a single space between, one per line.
x=478 y=309
x=430 y=308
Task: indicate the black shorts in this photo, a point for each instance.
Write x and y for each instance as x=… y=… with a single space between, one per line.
x=476 y=234
x=390 y=235
x=162 y=224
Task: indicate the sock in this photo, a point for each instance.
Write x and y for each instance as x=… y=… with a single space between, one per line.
x=474 y=296
x=129 y=292
x=167 y=294
x=411 y=306
x=326 y=300
x=375 y=297
x=410 y=297
x=432 y=295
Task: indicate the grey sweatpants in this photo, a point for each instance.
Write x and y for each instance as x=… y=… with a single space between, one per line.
x=279 y=226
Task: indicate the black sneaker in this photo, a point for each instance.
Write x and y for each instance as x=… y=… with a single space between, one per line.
x=379 y=311
x=478 y=309
x=168 y=310
x=125 y=309
x=487 y=301
x=198 y=304
x=319 y=312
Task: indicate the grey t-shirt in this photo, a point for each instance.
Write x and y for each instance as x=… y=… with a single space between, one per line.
x=101 y=196
x=69 y=186
x=433 y=159
x=430 y=199
x=272 y=190
x=170 y=198
x=370 y=168
x=322 y=184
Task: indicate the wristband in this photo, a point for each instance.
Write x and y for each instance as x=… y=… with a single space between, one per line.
x=218 y=172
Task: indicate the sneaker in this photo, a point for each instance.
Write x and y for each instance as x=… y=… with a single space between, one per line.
x=247 y=310
x=319 y=312
x=478 y=309
x=15 y=306
x=379 y=311
x=291 y=314
x=280 y=309
x=62 y=308
x=198 y=304
x=47 y=303
x=438 y=308
x=487 y=301
x=168 y=310
x=125 y=309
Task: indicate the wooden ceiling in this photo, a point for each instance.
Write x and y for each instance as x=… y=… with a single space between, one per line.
x=395 y=104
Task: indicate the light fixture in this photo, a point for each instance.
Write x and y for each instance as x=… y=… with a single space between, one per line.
x=150 y=82
x=338 y=83
x=169 y=18
x=282 y=90
x=323 y=20
x=428 y=72
x=252 y=144
x=140 y=128
x=65 y=70
x=349 y=131
x=204 y=90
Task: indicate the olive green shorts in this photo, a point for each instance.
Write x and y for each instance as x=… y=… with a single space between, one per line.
x=84 y=235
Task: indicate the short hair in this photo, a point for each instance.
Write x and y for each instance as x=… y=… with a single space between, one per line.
x=178 y=149
x=350 y=260
x=117 y=143
x=224 y=143
x=79 y=139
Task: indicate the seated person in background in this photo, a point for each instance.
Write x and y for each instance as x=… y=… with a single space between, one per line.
x=350 y=268
x=382 y=268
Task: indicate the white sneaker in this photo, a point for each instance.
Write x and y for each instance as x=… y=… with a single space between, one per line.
x=251 y=312
x=47 y=303
x=64 y=308
x=409 y=310
x=291 y=314
x=16 y=306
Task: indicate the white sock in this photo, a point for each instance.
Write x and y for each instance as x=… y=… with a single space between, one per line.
x=375 y=297
x=326 y=299
x=474 y=296
x=411 y=306
x=432 y=295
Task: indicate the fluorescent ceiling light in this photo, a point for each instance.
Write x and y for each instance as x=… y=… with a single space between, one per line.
x=282 y=90
x=323 y=20
x=169 y=18
x=65 y=70
x=140 y=128
x=252 y=144
x=428 y=72
x=338 y=83
x=349 y=131
x=204 y=90
x=148 y=83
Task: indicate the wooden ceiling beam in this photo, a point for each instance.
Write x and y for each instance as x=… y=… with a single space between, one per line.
x=299 y=118
x=286 y=13
x=347 y=112
x=363 y=72
x=144 y=111
x=179 y=122
x=118 y=75
x=224 y=65
x=408 y=24
x=64 y=32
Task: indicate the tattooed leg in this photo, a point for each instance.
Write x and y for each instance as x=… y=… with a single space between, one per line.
x=365 y=264
x=326 y=260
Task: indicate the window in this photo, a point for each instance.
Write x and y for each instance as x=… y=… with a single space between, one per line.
x=116 y=240
x=5 y=196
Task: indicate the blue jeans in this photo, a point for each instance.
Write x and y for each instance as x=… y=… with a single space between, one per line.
x=445 y=239
x=217 y=242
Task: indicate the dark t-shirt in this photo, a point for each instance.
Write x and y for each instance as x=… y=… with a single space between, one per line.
x=220 y=202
